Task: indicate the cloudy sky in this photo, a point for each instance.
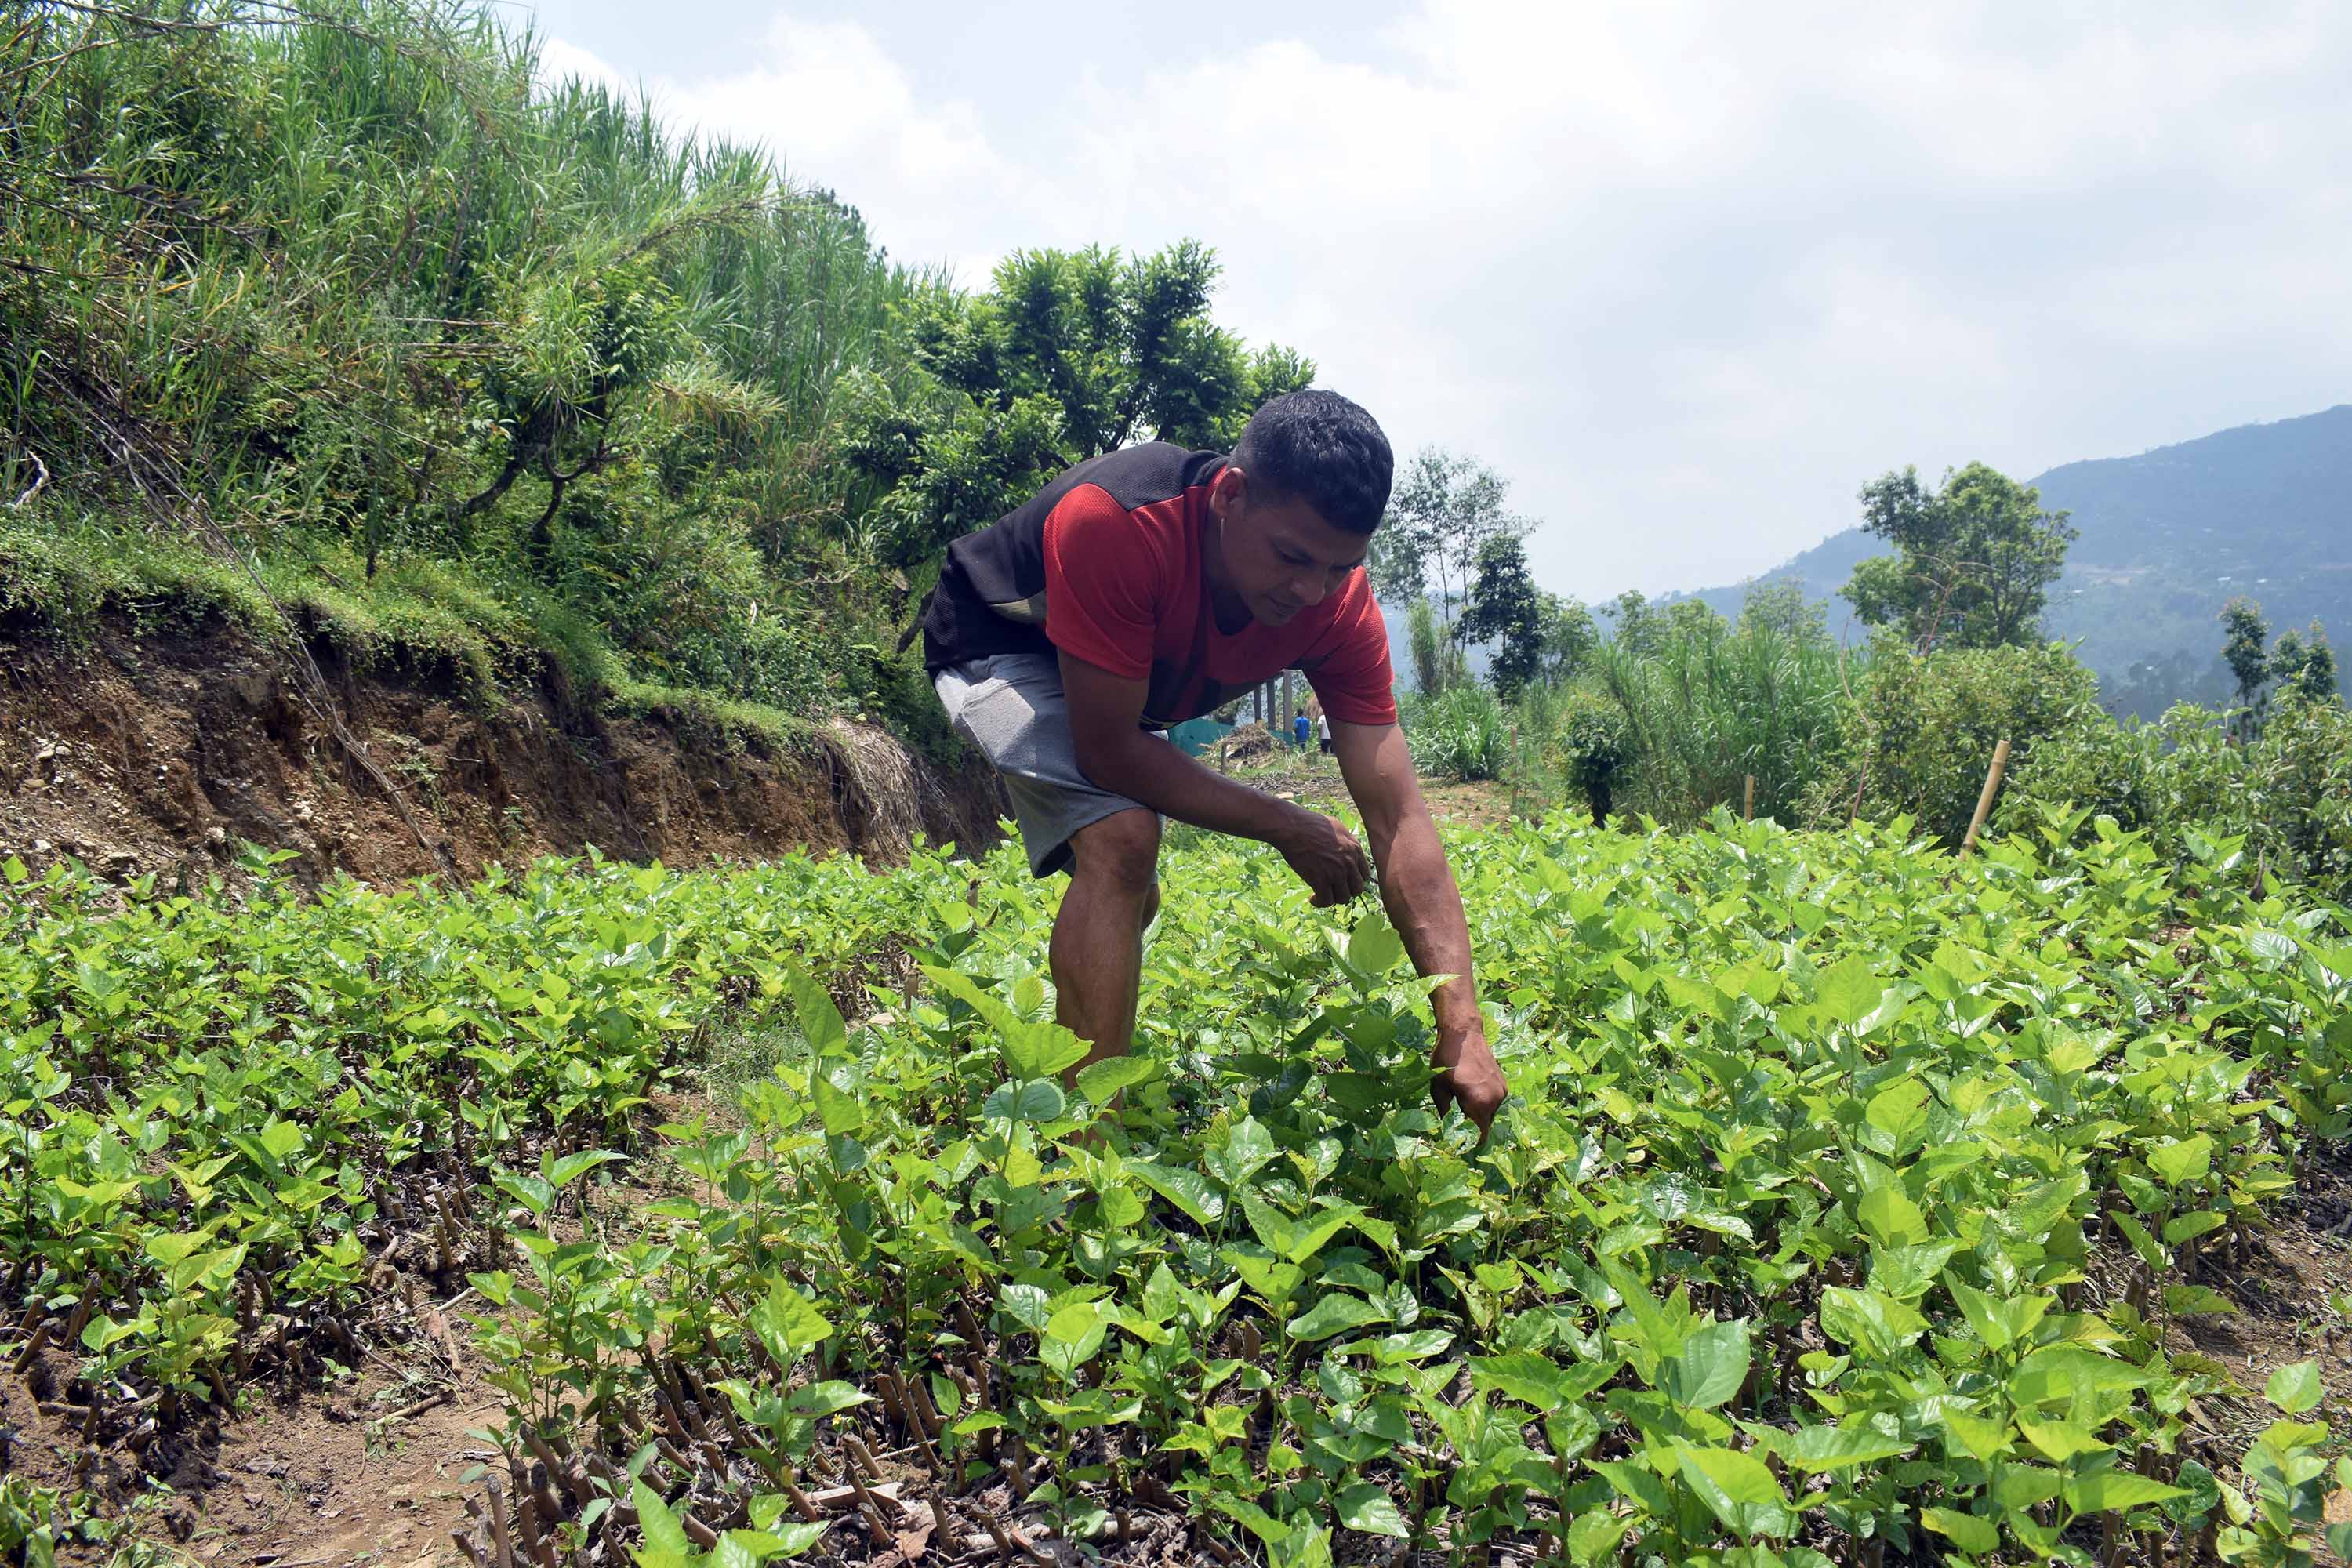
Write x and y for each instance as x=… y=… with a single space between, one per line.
x=1687 y=275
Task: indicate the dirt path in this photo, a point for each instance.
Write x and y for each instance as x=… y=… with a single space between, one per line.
x=334 y=1479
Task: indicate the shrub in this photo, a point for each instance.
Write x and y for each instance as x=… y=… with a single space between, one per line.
x=1463 y=734
x=1922 y=728
x=1592 y=741
x=2287 y=794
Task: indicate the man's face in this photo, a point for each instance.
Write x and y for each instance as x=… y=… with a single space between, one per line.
x=1281 y=557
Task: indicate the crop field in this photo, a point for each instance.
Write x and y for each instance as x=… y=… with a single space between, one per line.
x=1856 y=1205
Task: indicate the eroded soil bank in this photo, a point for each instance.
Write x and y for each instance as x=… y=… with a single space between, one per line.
x=159 y=753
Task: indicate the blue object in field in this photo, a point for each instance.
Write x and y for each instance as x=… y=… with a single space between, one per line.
x=1195 y=736
x=1303 y=729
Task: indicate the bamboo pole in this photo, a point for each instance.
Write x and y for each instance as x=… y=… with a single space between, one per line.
x=1984 y=800
x=1747 y=802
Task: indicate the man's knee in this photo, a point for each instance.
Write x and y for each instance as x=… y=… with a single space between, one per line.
x=1121 y=852
x=1151 y=904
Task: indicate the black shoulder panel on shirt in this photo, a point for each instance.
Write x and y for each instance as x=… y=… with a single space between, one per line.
x=1006 y=561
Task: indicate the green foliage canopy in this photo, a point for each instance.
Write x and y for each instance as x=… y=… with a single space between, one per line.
x=1973 y=563
x=1505 y=607
x=1069 y=354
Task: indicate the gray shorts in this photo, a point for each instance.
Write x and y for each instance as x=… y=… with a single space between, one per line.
x=1012 y=707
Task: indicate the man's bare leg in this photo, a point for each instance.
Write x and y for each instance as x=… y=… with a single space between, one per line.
x=1096 y=951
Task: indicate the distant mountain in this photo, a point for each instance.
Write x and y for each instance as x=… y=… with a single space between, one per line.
x=2167 y=538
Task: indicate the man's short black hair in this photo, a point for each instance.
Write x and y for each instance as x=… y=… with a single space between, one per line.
x=1318 y=447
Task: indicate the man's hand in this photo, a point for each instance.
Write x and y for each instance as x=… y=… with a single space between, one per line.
x=1325 y=855
x=1468 y=1077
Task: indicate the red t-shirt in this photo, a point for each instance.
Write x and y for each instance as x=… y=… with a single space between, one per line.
x=1125 y=591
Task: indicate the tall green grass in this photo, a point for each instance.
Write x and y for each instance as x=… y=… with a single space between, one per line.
x=1708 y=704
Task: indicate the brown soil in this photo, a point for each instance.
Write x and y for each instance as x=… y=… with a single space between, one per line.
x=1313 y=780
x=158 y=752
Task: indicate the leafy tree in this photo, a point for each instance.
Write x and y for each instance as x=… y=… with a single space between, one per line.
x=1505 y=607
x=1398 y=562
x=1570 y=636
x=1068 y=355
x=1973 y=563
x=2303 y=663
x=1782 y=607
x=2244 y=634
x=1445 y=507
x=1437 y=662
x=1633 y=625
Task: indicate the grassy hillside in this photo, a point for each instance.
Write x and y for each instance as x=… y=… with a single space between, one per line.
x=346 y=327
x=2168 y=537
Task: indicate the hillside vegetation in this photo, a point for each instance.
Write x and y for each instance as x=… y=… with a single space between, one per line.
x=338 y=322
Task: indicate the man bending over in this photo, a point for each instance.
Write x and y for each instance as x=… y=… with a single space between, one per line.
x=1145 y=587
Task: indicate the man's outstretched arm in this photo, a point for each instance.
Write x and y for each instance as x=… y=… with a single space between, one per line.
x=1423 y=904
x=1105 y=711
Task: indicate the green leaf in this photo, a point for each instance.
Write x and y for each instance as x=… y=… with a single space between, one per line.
x=1891 y=1217
x=282 y=1139
x=820 y=1020
x=1710 y=1368
x=1248 y=1148
x=2060 y=1440
x=1739 y=1488
x=1039 y=1099
x=815 y=1400
x=1308 y=1547
x=2295 y=1389
x=2181 y=1161
x=1188 y=1189
x=660 y=1527
x=1899 y=1112
x=1374 y=946
x=2057 y=1373
x=1869 y=1320
x=1981 y=1440
x=840 y=1109
x=561 y=1174
x=1849 y=991
x=1098 y=1081
x=1907 y=1272
x=1825 y=1449
x=1071 y=1338
x=1368 y=1508
x=1523 y=1375
x=787 y=1324
x=2153 y=1256
x=1039 y=1049
x=1999 y=1321
x=1335 y=1313
x=1077 y=1325
x=1971 y=1534
x=532 y=1193
x=2113 y=1492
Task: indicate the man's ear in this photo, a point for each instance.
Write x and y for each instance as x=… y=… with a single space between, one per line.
x=1227 y=492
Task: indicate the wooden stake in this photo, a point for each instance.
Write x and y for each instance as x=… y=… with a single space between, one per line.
x=501 y=1546
x=1747 y=803
x=1984 y=800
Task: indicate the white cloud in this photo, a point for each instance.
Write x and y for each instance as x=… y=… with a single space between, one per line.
x=1688 y=273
